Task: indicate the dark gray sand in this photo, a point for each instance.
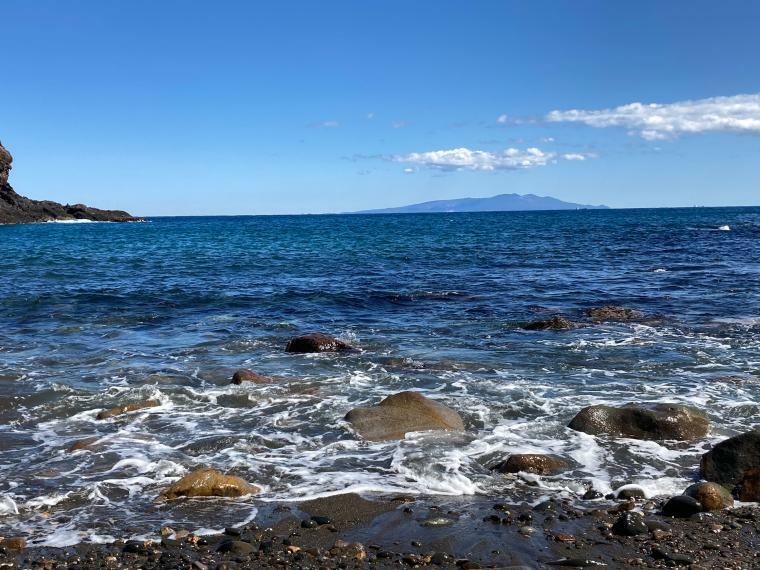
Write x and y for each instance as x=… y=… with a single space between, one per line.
x=347 y=531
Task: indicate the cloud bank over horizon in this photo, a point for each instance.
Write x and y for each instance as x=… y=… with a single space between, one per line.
x=655 y=121
x=480 y=160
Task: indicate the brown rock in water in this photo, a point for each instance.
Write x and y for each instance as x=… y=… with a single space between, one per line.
x=652 y=421
x=245 y=375
x=613 y=313
x=727 y=462
x=532 y=463
x=119 y=410
x=749 y=487
x=16 y=209
x=401 y=413
x=712 y=496
x=82 y=444
x=207 y=482
x=316 y=342
x=13 y=543
x=555 y=323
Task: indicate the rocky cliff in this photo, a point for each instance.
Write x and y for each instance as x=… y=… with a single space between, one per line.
x=16 y=209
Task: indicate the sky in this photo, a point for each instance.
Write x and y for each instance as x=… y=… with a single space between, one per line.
x=205 y=108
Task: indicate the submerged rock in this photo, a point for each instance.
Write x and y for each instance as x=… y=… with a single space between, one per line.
x=16 y=209
x=207 y=482
x=126 y=408
x=401 y=413
x=728 y=462
x=614 y=313
x=555 y=323
x=532 y=463
x=653 y=421
x=712 y=496
x=245 y=375
x=82 y=444
x=316 y=342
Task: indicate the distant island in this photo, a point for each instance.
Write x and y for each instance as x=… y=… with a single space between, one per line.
x=17 y=209
x=499 y=203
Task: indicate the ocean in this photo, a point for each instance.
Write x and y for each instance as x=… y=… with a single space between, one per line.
x=100 y=314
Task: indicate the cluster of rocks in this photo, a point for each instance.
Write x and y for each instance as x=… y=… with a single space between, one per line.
x=16 y=209
x=608 y=313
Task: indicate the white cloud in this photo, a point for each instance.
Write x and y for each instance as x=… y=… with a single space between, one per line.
x=578 y=156
x=502 y=119
x=399 y=124
x=370 y=116
x=739 y=113
x=325 y=125
x=410 y=170
x=466 y=159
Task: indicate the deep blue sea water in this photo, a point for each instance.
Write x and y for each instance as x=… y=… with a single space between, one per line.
x=95 y=315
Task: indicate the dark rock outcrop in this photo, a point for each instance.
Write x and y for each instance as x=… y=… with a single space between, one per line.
x=749 y=487
x=207 y=482
x=556 y=323
x=655 y=422
x=532 y=463
x=730 y=461
x=16 y=209
x=316 y=342
x=401 y=413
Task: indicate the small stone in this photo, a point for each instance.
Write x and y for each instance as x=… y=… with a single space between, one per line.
x=630 y=524
x=712 y=497
x=526 y=530
x=321 y=520
x=309 y=524
x=13 y=543
x=293 y=549
x=658 y=534
x=630 y=492
x=235 y=547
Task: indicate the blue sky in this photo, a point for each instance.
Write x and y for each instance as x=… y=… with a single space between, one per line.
x=195 y=108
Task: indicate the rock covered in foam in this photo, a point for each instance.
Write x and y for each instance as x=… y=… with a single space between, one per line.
x=642 y=421
x=126 y=408
x=400 y=414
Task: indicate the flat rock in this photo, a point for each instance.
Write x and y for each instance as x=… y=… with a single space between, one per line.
x=316 y=342
x=206 y=482
x=555 y=323
x=614 y=313
x=400 y=414
x=637 y=421
x=126 y=408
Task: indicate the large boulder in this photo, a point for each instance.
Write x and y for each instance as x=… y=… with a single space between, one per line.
x=730 y=460
x=532 y=463
x=614 y=313
x=749 y=487
x=206 y=482
x=712 y=497
x=400 y=414
x=639 y=421
x=126 y=408
x=316 y=342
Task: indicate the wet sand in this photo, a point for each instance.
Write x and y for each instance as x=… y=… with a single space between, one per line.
x=348 y=531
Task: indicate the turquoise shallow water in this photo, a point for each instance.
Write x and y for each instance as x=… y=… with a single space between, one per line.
x=93 y=315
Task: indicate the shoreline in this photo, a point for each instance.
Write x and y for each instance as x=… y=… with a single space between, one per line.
x=349 y=531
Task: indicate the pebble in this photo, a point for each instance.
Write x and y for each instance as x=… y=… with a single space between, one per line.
x=630 y=524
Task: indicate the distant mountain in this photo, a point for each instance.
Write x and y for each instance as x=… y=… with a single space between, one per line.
x=500 y=203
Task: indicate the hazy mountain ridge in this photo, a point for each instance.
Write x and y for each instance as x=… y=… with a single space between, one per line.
x=498 y=203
